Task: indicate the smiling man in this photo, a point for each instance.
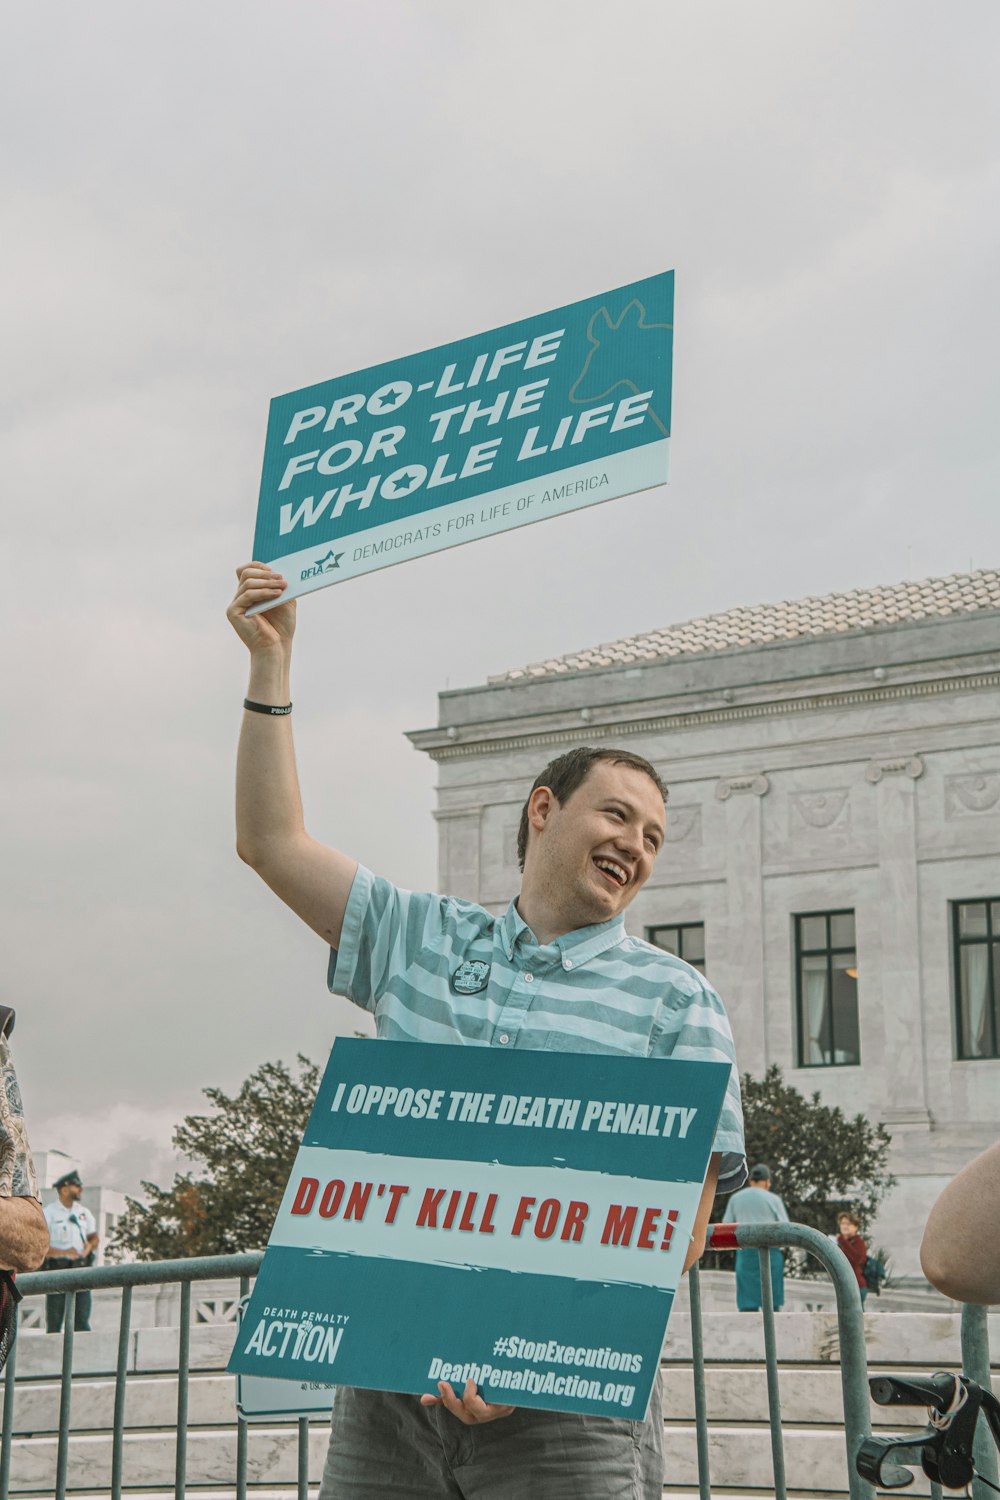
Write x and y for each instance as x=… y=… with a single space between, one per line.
x=556 y=971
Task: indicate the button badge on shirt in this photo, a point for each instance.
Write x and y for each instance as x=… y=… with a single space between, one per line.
x=471 y=976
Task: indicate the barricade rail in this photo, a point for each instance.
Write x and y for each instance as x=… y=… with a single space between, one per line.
x=139 y=1273
x=242 y=1268
x=850 y=1323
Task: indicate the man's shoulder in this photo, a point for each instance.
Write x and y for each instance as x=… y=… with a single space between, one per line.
x=646 y=958
x=458 y=907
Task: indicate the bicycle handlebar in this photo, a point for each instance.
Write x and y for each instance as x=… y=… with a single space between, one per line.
x=945 y=1450
x=936 y=1391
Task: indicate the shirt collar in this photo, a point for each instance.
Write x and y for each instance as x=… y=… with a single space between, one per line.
x=574 y=948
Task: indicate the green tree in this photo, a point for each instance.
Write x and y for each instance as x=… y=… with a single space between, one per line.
x=821 y=1161
x=243 y=1153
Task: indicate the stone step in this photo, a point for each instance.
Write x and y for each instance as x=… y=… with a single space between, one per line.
x=149 y=1457
x=740 y=1458
x=930 y=1340
x=213 y=1492
x=735 y=1393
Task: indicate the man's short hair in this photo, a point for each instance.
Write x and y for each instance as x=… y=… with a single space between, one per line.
x=850 y=1216
x=563 y=775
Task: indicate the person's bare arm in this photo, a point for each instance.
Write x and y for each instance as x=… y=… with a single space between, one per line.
x=699 y=1234
x=24 y=1234
x=960 y=1250
x=314 y=880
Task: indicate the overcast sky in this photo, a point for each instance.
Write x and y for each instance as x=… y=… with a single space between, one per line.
x=207 y=204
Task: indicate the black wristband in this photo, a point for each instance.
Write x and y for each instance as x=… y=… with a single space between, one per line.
x=267 y=708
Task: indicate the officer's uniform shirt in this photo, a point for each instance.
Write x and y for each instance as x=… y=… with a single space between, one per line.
x=69 y=1227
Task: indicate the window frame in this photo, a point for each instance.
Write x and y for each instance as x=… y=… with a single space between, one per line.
x=957 y=944
x=829 y=951
x=679 y=927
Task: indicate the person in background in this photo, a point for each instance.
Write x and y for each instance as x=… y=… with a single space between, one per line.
x=23 y=1234
x=72 y=1242
x=756 y=1204
x=960 y=1250
x=849 y=1240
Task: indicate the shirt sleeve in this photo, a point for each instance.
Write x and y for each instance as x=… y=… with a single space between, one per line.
x=693 y=1025
x=384 y=928
x=17 y=1170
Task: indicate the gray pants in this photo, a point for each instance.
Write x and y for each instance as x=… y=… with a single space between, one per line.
x=385 y=1446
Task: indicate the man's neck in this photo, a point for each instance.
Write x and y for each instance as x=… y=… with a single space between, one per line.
x=546 y=922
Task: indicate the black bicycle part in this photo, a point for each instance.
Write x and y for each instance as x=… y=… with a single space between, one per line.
x=944 y=1452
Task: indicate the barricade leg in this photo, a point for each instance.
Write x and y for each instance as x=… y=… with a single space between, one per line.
x=771 y=1364
x=976 y=1364
x=121 y=1375
x=698 y=1375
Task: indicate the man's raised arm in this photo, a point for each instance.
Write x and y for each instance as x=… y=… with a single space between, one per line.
x=313 y=880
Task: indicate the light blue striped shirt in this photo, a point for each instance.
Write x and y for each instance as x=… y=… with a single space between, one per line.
x=592 y=990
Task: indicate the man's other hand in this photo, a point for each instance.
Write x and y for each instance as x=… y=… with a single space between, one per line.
x=471 y=1409
x=256 y=583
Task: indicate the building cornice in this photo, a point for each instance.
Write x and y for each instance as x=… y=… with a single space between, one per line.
x=584 y=727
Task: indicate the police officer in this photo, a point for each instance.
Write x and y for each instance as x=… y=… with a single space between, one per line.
x=72 y=1241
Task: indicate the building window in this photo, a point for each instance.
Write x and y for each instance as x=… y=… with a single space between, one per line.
x=826 y=964
x=686 y=939
x=976 y=929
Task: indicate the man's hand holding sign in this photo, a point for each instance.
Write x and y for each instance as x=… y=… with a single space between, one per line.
x=496 y=1227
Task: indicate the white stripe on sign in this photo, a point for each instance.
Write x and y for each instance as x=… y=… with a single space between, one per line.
x=554 y=1221
x=325 y=562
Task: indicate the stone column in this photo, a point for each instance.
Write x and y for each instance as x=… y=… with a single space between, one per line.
x=904 y=1088
x=743 y=989
x=458 y=853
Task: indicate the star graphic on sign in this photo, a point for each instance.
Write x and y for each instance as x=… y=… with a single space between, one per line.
x=330 y=561
x=403 y=483
x=388 y=398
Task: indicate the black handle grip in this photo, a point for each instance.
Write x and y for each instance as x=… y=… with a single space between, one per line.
x=936 y=1391
x=875 y=1463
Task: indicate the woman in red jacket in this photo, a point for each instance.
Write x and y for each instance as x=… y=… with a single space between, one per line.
x=850 y=1241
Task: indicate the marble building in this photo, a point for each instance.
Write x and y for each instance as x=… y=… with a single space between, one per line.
x=833 y=839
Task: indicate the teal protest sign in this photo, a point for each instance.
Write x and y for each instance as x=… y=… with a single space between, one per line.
x=528 y=421
x=516 y=1218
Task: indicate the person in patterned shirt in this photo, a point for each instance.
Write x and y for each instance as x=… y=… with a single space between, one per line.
x=557 y=971
x=24 y=1234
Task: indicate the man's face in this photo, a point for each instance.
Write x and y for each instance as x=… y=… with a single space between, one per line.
x=71 y=1192
x=847 y=1229
x=596 y=850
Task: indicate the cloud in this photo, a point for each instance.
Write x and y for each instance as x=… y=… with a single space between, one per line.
x=117 y=1148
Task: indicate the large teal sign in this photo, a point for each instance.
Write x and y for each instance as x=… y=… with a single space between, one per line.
x=532 y=420
x=520 y=1219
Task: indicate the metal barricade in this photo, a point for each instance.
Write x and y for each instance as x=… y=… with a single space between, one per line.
x=241 y=1268
x=976 y=1364
x=850 y=1325
x=127 y=1277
